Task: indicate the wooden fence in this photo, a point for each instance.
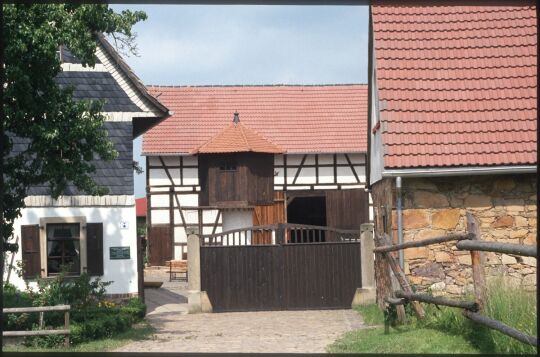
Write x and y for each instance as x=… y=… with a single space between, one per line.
x=471 y=309
x=282 y=233
x=41 y=309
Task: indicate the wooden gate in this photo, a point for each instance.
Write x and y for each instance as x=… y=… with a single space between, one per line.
x=160 y=246
x=248 y=276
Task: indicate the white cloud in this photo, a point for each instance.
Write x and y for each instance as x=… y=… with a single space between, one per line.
x=252 y=44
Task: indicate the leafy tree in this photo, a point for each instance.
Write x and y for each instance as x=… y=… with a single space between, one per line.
x=61 y=135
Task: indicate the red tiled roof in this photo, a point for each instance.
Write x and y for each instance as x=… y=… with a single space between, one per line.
x=298 y=119
x=456 y=84
x=140 y=207
x=237 y=138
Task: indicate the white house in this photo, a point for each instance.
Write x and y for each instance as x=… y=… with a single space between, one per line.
x=93 y=234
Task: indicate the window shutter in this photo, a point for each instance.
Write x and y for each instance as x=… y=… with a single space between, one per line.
x=31 y=251
x=94 y=248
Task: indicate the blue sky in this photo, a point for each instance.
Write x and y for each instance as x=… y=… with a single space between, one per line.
x=202 y=45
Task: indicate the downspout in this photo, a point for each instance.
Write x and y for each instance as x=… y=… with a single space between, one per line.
x=399 y=220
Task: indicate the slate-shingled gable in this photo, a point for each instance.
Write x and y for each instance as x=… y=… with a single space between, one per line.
x=68 y=57
x=116 y=175
x=458 y=84
x=97 y=85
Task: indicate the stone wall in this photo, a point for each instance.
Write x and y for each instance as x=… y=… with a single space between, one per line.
x=505 y=205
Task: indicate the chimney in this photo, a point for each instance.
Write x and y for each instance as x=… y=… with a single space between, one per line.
x=236 y=118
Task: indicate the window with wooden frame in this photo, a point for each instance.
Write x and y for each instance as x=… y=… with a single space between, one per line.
x=62 y=241
x=63 y=248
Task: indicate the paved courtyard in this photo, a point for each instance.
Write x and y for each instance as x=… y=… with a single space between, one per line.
x=276 y=331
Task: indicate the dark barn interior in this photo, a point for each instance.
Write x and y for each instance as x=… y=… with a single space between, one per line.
x=307 y=210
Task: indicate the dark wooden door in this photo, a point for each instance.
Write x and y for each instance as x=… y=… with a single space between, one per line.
x=159 y=245
x=346 y=209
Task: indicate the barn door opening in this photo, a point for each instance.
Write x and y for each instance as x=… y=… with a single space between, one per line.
x=307 y=210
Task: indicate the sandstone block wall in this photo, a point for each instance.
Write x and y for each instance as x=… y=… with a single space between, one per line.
x=506 y=208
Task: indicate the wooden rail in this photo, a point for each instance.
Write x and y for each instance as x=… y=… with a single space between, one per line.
x=41 y=309
x=469 y=241
x=282 y=233
x=421 y=243
x=506 y=248
x=437 y=300
x=499 y=326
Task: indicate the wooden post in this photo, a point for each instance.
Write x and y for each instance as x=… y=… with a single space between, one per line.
x=41 y=320
x=477 y=258
x=140 y=267
x=280 y=233
x=383 y=281
x=66 y=327
x=171 y=221
x=400 y=276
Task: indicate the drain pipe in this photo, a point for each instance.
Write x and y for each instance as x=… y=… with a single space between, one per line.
x=399 y=220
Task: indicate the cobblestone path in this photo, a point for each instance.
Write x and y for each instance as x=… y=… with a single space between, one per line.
x=265 y=331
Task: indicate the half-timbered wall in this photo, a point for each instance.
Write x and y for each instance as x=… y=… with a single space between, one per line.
x=173 y=198
x=173 y=183
x=319 y=171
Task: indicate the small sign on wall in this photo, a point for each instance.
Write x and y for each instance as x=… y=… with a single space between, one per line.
x=119 y=253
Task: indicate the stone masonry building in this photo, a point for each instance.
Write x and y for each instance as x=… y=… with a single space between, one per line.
x=453 y=118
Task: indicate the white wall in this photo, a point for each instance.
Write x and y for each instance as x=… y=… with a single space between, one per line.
x=376 y=154
x=237 y=219
x=123 y=273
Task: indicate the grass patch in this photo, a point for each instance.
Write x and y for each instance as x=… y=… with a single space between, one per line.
x=406 y=339
x=446 y=330
x=509 y=304
x=140 y=331
x=371 y=314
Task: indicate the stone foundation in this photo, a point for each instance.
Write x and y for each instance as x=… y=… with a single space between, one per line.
x=505 y=205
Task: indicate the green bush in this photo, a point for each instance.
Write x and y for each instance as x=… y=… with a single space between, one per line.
x=97 y=323
x=16 y=298
x=106 y=322
x=80 y=292
x=92 y=317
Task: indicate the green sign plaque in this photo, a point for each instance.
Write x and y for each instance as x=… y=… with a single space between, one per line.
x=119 y=253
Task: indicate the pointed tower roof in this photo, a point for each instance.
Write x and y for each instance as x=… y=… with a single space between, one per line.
x=238 y=138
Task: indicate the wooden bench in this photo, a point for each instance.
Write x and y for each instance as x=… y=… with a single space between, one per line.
x=177 y=270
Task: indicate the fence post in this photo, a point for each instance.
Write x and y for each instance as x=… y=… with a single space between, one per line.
x=66 y=327
x=366 y=294
x=477 y=258
x=280 y=233
x=197 y=300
